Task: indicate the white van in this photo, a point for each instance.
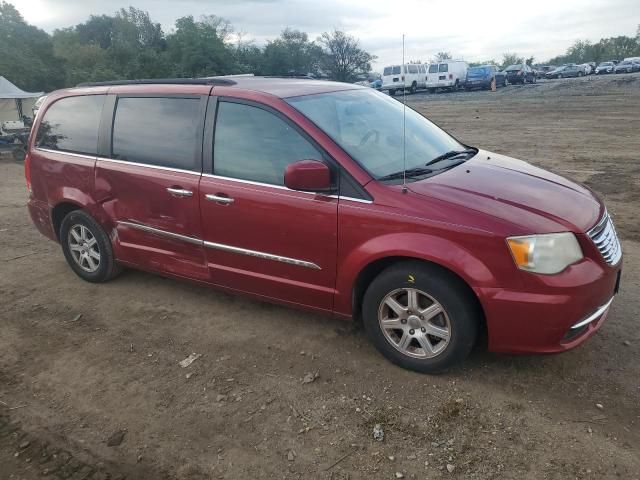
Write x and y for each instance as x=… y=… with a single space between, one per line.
x=447 y=74
x=411 y=76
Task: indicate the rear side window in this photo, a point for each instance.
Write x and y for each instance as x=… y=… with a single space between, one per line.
x=71 y=125
x=254 y=144
x=413 y=69
x=396 y=70
x=157 y=131
x=444 y=67
x=433 y=68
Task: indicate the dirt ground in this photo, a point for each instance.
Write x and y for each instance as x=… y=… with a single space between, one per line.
x=90 y=385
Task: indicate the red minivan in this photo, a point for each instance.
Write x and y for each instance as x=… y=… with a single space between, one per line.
x=325 y=196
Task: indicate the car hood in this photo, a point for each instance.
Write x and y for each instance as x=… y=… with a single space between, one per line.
x=516 y=192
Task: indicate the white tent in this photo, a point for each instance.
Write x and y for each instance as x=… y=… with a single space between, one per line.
x=14 y=103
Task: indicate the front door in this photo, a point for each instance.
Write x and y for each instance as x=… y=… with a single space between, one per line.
x=148 y=185
x=260 y=237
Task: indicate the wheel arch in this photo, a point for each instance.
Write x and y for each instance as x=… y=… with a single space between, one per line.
x=372 y=269
x=61 y=210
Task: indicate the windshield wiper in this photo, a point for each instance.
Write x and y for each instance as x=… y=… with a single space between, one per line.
x=410 y=173
x=451 y=154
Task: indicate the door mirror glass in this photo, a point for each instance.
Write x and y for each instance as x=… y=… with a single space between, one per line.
x=308 y=176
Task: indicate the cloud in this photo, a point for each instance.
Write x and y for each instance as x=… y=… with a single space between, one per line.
x=468 y=29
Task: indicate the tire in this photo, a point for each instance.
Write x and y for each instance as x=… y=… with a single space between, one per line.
x=80 y=252
x=435 y=288
x=413 y=88
x=580 y=74
x=392 y=92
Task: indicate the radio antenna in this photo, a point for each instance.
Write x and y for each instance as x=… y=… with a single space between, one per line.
x=404 y=122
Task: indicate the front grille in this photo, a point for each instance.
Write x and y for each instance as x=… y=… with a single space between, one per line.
x=606 y=240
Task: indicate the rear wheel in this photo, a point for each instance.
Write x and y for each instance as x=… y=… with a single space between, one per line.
x=413 y=88
x=420 y=317
x=87 y=248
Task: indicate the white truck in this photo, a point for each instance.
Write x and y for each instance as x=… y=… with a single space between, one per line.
x=411 y=76
x=450 y=74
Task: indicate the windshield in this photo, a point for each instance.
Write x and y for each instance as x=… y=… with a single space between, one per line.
x=368 y=125
x=625 y=63
x=478 y=71
x=605 y=64
x=512 y=68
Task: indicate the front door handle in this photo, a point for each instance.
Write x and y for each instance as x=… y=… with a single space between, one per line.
x=179 y=192
x=219 y=199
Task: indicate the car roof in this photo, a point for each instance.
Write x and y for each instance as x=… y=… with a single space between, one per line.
x=282 y=87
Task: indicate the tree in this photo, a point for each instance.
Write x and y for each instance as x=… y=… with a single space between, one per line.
x=511 y=59
x=441 y=57
x=342 y=58
x=26 y=53
x=291 y=53
x=197 y=48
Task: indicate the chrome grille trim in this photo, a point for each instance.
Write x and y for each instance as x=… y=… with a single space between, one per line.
x=605 y=238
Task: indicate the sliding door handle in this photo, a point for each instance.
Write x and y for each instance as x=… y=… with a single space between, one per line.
x=219 y=199
x=179 y=192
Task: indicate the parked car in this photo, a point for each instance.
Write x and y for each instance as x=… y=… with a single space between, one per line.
x=605 y=67
x=36 y=106
x=566 y=71
x=483 y=77
x=372 y=80
x=409 y=77
x=450 y=74
x=586 y=68
x=627 y=66
x=325 y=196
x=633 y=59
x=520 y=73
x=542 y=70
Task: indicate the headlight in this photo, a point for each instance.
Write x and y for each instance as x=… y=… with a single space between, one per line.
x=549 y=253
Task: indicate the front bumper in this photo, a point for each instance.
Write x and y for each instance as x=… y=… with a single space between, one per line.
x=555 y=312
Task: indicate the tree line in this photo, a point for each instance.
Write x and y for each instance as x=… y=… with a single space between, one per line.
x=129 y=44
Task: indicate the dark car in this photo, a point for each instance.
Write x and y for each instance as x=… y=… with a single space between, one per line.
x=483 y=76
x=326 y=196
x=566 y=71
x=627 y=66
x=520 y=73
x=605 y=67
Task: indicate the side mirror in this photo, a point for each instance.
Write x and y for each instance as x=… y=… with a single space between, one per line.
x=308 y=176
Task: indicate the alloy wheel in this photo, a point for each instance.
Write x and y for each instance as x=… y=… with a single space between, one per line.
x=414 y=323
x=84 y=248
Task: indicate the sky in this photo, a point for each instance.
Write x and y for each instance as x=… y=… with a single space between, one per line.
x=469 y=29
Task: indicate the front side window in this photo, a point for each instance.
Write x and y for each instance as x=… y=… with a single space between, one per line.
x=254 y=144
x=157 y=131
x=368 y=125
x=71 y=125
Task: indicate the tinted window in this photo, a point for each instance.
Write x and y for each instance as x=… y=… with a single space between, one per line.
x=71 y=125
x=444 y=67
x=254 y=144
x=157 y=131
x=413 y=69
x=396 y=70
x=433 y=68
x=387 y=71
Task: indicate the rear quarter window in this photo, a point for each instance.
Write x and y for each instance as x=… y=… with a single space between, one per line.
x=71 y=125
x=159 y=131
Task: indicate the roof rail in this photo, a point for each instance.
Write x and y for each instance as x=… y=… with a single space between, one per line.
x=161 y=81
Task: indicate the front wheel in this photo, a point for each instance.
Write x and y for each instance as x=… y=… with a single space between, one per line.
x=420 y=317
x=87 y=248
x=413 y=88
